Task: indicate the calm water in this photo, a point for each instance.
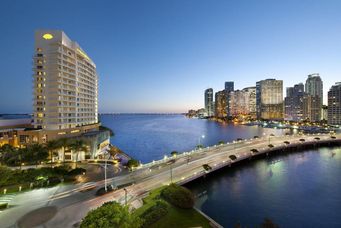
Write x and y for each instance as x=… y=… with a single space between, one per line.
x=150 y=137
x=294 y=190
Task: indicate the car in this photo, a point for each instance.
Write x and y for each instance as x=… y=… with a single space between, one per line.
x=102 y=191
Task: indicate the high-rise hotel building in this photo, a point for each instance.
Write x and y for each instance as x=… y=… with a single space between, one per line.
x=65 y=83
x=65 y=101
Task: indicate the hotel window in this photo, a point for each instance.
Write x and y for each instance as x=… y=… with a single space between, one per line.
x=39 y=49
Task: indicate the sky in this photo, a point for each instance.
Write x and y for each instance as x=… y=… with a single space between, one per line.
x=160 y=55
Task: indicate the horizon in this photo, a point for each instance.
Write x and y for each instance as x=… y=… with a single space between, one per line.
x=159 y=57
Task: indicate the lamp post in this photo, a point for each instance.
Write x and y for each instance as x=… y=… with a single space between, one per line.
x=271 y=135
x=171 y=172
x=105 y=171
x=125 y=196
x=201 y=137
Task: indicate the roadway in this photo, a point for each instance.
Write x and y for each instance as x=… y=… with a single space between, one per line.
x=73 y=202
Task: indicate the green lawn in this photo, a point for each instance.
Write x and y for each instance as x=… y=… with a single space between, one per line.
x=176 y=217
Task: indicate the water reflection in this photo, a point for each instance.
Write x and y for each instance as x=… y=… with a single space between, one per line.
x=294 y=190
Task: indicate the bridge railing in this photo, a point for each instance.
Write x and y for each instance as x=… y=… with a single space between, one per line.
x=202 y=150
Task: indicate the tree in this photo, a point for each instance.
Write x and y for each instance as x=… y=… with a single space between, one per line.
x=200 y=146
x=64 y=142
x=111 y=215
x=174 y=153
x=78 y=146
x=51 y=146
x=267 y=223
x=206 y=167
x=178 y=196
x=5 y=175
x=133 y=163
x=254 y=150
x=221 y=142
x=9 y=155
x=37 y=152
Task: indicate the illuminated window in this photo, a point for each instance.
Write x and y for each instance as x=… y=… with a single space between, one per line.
x=40 y=115
x=39 y=49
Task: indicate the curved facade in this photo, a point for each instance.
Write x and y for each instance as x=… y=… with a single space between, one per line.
x=65 y=83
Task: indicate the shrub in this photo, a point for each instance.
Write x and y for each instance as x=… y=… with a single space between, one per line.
x=133 y=163
x=154 y=213
x=54 y=180
x=76 y=171
x=178 y=196
x=111 y=215
x=3 y=206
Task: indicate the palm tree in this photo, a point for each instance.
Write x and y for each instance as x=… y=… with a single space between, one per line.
x=78 y=146
x=38 y=152
x=51 y=146
x=64 y=142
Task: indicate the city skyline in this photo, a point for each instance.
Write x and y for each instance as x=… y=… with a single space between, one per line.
x=198 y=45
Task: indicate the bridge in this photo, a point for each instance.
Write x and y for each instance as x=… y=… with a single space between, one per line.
x=181 y=169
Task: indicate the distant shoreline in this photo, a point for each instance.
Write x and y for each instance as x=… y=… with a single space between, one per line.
x=152 y=113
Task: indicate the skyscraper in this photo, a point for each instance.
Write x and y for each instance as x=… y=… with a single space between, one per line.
x=243 y=102
x=293 y=103
x=65 y=83
x=229 y=86
x=269 y=99
x=209 y=105
x=311 y=108
x=314 y=88
x=221 y=104
x=64 y=98
x=334 y=104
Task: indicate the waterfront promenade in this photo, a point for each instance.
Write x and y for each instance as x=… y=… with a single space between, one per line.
x=72 y=203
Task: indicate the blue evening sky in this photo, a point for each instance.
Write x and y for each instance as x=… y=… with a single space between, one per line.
x=160 y=55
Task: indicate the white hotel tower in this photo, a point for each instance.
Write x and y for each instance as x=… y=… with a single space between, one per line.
x=65 y=83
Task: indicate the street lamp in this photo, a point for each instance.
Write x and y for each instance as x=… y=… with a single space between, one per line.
x=271 y=135
x=125 y=195
x=105 y=171
x=171 y=172
x=201 y=137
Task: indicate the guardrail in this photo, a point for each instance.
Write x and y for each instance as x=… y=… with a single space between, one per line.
x=202 y=150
